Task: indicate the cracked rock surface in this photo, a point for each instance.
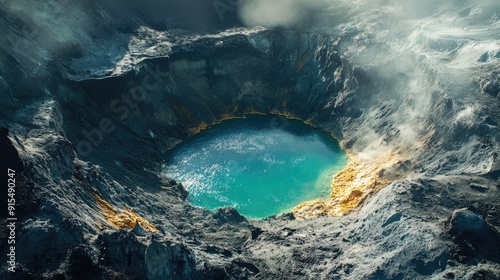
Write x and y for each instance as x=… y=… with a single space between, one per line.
x=88 y=115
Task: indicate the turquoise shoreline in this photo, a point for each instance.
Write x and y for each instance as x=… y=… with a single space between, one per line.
x=260 y=165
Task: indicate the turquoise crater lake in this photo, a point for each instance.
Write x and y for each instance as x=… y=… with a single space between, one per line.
x=260 y=165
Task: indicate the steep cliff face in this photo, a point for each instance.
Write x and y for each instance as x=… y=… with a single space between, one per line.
x=416 y=110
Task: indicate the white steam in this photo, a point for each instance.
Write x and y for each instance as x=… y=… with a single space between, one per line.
x=279 y=12
x=415 y=52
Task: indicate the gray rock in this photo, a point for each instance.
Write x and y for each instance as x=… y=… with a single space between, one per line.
x=168 y=261
x=464 y=220
x=138 y=230
x=474 y=235
x=81 y=92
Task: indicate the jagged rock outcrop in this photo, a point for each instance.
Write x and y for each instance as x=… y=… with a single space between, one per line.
x=90 y=117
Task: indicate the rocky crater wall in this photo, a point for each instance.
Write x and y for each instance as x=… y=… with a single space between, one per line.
x=422 y=140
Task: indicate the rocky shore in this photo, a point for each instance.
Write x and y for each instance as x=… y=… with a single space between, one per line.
x=86 y=125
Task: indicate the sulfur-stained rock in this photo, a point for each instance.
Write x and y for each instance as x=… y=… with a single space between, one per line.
x=403 y=85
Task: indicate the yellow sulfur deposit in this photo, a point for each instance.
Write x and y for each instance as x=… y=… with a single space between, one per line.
x=122 y=218
x=350 y=187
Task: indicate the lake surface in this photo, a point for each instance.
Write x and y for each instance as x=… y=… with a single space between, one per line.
x=260 y=165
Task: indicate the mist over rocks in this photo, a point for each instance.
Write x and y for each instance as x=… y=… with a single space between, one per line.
x=405 y=88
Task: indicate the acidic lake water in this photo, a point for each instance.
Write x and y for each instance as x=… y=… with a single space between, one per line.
x=260 y=165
